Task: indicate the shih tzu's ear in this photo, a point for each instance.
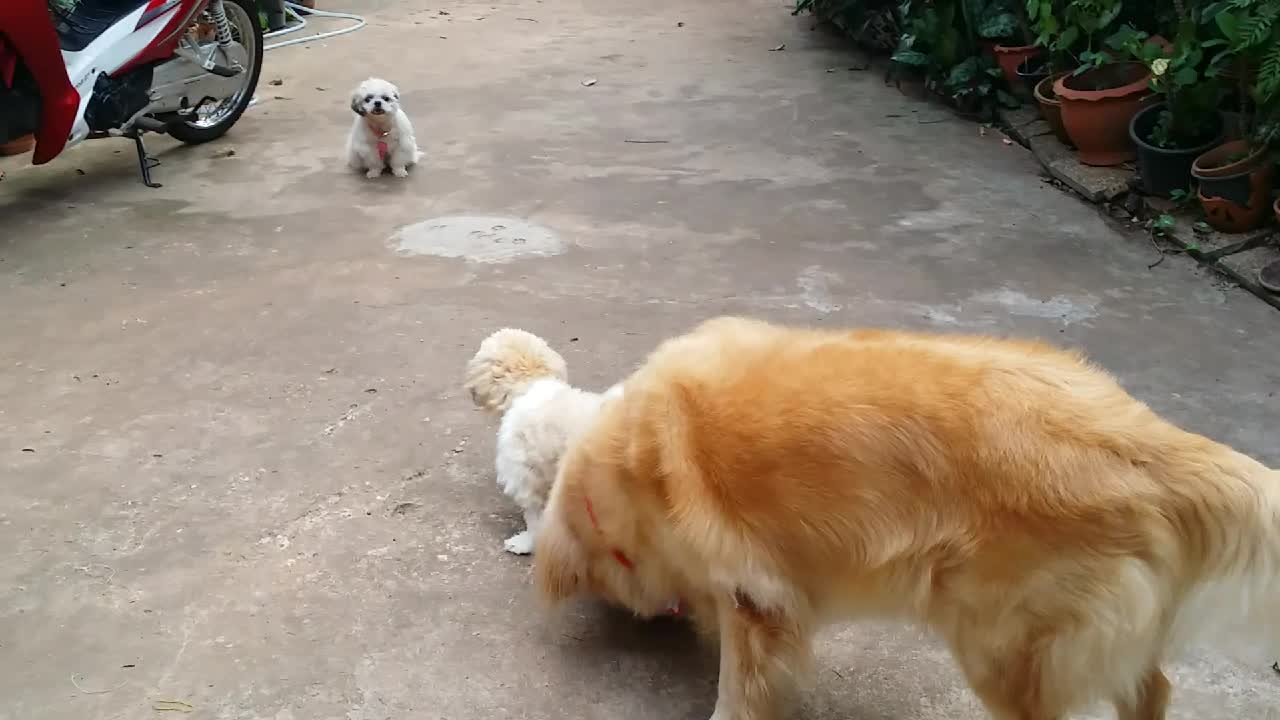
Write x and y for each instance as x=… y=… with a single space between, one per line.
x=356 y=105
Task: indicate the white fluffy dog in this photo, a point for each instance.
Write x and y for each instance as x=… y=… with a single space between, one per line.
x=516 y=375
x=381 y=135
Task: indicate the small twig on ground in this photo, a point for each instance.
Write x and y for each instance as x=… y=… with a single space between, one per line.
x=1159 y=249
x=837 y=672
x=95 y=692
x=647 y=142
x=1276 y=666
x=527 y=19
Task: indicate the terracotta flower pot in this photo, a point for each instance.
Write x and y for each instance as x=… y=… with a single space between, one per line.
x=1009 y=57
x=1097 y=106
x=1235 y=186
x=1051 y=107
x=18 y=146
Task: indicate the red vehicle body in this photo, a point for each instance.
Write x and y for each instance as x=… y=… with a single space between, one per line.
x=97 y=68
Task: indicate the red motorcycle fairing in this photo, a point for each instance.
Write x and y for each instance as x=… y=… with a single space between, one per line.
x=27 y=34
x=167 y=41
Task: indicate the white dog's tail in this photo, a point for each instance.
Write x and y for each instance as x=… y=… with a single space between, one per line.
x=1236 y=606
x=507 y=362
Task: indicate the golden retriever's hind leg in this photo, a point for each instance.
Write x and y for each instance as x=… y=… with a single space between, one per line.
x=1010 y=687
x=761 y=653
x=1004 y=707
x=1152 y=700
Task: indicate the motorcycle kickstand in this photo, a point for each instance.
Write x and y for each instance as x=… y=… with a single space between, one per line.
x=145 y=161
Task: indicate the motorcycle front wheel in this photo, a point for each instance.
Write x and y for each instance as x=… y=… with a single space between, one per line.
x=214 y=122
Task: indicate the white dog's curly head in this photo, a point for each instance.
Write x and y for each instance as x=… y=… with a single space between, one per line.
x=507 y=363
x=375 y=96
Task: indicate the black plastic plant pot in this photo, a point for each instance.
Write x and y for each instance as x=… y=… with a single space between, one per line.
x=1164 y=170
x=1031 y=71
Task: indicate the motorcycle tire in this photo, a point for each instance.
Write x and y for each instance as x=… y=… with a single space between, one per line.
x=192 y=134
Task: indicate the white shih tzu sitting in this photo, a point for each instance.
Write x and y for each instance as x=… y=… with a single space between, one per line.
x=516 y=375
x=381 y=136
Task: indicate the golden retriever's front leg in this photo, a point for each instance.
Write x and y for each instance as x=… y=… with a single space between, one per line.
x=762 y=650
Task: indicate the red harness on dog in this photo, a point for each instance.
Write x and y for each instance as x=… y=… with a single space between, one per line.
x=383 y=149
x=618 y=555
x=676 y=608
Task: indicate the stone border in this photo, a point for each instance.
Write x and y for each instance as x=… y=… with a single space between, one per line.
x=1239 y=257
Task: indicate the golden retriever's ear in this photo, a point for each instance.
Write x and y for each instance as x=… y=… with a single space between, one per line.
x=559 y=562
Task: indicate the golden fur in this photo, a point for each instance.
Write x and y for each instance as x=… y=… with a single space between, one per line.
x=1061 y=537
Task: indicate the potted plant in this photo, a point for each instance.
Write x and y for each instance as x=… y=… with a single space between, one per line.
x=1098 y=104
x=1051 y=106
x=1012 y=57
x=1171 y=133
x=1057 y=61
x=1032 y=71
x=972 y=86
x=941 y=41
x=1235 y=178
x=1234 y=185
x=18 y=146
x=1019 y=63
x=1101 y=96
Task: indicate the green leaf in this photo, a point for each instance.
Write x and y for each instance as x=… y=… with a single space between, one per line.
x=998 y=26
x=1109 y=14
x=1228 y=24
x=963 y=73
x=1269 y=75
x=1256 y=29
x=1165 y=223
x=910 y=57
x=1211 y=12
x=1185 y=76
x=1068 y=38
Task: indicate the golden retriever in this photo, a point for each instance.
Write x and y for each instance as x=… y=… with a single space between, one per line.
x=1061 y=537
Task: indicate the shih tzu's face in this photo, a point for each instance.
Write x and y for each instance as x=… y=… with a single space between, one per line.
x=375 y=97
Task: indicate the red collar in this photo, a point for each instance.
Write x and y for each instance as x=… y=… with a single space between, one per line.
x=676 y=609
x=618 y=555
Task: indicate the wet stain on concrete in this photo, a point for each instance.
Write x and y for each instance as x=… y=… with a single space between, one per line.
x=481 y=239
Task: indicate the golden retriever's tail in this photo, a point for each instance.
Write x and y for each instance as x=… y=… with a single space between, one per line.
x=1236 y=604
x=507 y=363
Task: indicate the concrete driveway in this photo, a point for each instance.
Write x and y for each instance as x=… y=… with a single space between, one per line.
x=237 y=468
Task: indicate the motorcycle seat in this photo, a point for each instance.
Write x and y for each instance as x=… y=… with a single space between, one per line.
x=88 y=19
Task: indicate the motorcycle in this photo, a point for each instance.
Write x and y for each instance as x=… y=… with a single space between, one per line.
x=72 y=70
